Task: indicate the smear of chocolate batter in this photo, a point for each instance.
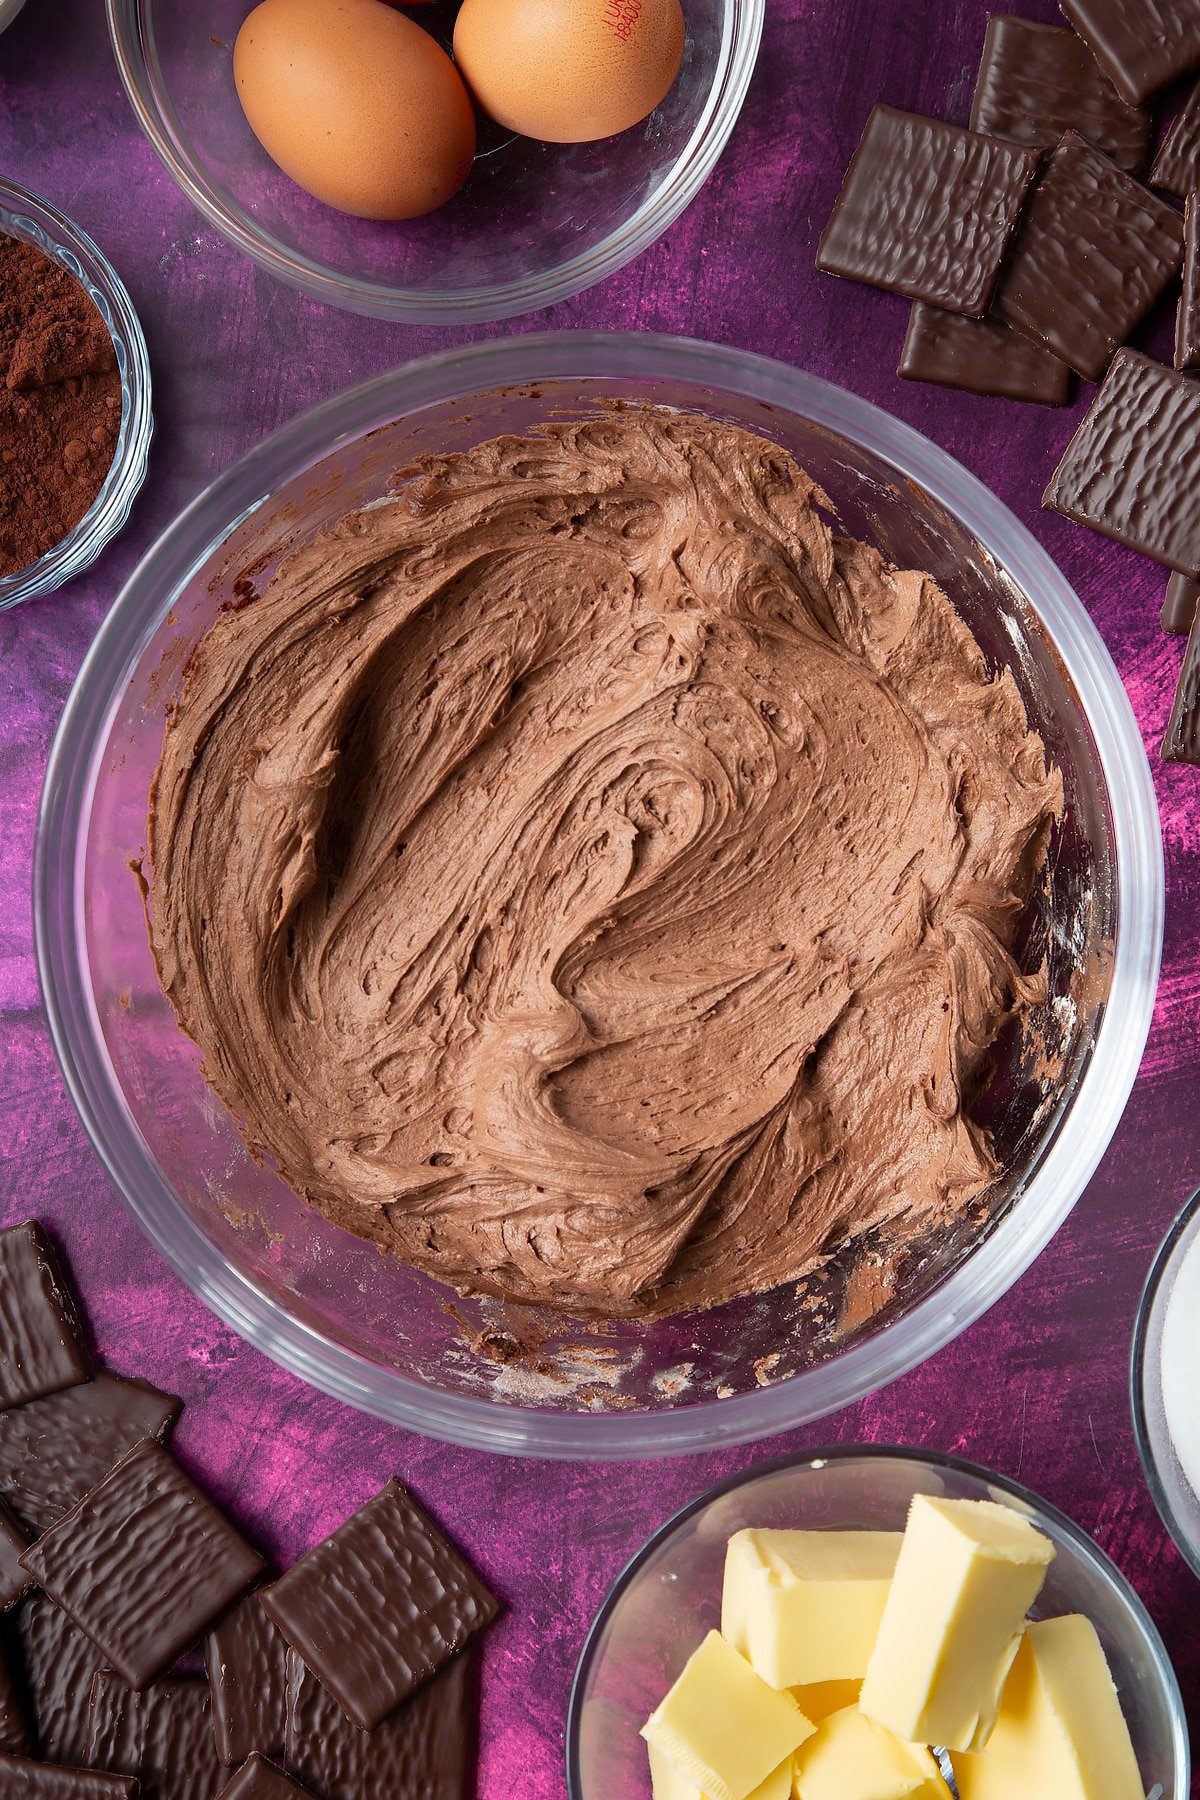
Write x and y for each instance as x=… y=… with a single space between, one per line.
x=593 y=880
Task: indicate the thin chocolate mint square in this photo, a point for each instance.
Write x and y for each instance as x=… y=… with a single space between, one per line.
x=1179 y=604
x=1187 y=314
x=1094 y=252
x=1144 y=45
x=380 y=1606
x=1132 y=470
x=59 y=1663
x=258 y=1779
x=927 y=209
x=1182 y=740
x=424 y=1751
x=246 y=1659
x=40 y=1347
x=16 y=1739
x=15 y=1582
x=1177 y=165
x=21 y=1779
x=54 y=1451
x=143 y=1564
x=162 y=1735
x=981 y=356
x=1037 y=81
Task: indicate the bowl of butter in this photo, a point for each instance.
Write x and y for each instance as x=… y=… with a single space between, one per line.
x=870 y=1623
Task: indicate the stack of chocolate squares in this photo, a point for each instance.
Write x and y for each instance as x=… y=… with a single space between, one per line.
x=349 y=1678
x=1032 y=252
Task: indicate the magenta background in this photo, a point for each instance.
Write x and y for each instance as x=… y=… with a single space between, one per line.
x=1037 y=1388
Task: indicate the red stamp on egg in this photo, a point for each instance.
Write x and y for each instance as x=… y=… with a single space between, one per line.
x=620 y=17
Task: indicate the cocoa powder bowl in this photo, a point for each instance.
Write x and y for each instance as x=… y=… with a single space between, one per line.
x=35 y=221
x=367 y=1328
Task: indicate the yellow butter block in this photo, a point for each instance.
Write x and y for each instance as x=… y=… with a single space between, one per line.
x=817 y=1699
x=967 y=1573
x=668 y=1784
x=1060 y=1733
x=850 y=1757
x=804 y=1606
x=722 y=1726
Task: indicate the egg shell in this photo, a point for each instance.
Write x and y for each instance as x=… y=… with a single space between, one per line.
x=357 y=103
x=568 y=71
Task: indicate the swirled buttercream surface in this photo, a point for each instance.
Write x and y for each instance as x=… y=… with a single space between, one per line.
x=596 y=881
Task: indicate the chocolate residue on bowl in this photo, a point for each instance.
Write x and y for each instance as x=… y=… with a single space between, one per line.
x=870 y=1286
x=595 y=881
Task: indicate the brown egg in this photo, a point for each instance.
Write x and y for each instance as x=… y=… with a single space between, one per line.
x=569 y=70
x=356 y=103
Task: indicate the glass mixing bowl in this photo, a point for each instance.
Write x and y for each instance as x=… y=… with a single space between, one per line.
x=374 y=1332
x=670 y=1595
x=535 y=222
x=23 y=215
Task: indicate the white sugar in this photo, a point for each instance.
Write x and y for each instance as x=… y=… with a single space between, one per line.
x=1181 y=1364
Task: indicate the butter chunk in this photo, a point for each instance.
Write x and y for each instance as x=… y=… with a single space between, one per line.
x=967 y=1573
x=804 y=1606
x=721 y=1726
x=668 y=1784
x=817 y=1699
x=1060 y=1733
x=850 y=1757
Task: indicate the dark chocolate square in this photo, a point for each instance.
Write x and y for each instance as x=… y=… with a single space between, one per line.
x=16 y=1739
x=1179 y=604
x=927 y=209
x=1037 y=81
x=246 y=1659
x=1094 y=252
x=380 y=1606
x=15 y=1582
x=59 y=1663
x=1144 y=45
x=163 y=1735
x=40 y=1347
x=1187 y=314
x=21 y=1779
x=1132 y=470
x=54 y=1451
x=261 y=1780
x=143 y=1564
x=981 y=356
x=1177 y=165
x=1182 y=740
x=424 y=1751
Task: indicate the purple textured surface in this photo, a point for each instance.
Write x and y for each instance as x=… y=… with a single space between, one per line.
x=1037 y=1388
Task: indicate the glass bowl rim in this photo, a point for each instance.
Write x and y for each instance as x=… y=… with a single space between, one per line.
x=1151 y=1289
x=741 y=36
x=57 y=887
x=110 y=509
x=1084 y=1545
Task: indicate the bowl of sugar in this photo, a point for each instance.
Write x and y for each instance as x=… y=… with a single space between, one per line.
x=1163 y=1386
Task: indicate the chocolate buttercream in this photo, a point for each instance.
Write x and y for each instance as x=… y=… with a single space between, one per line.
x=594 y=880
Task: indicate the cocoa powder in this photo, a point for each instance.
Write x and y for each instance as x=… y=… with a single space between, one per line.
x=60 y=403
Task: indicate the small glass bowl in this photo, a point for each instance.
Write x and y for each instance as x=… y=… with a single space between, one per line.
x=1175 y=1496
x=23 y=215
x=669 y=1596
x=534 y=223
